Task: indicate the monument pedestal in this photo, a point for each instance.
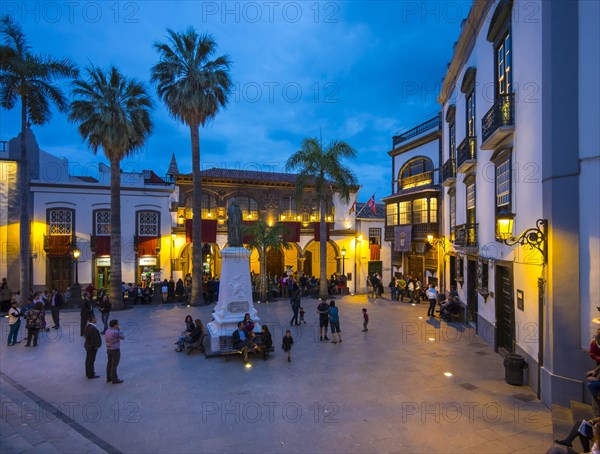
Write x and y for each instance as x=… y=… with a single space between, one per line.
x=235 y=296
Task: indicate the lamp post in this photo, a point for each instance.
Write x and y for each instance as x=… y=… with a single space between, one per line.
x=76 y=288
x=344 y=261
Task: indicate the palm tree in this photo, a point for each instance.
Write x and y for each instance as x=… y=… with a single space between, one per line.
x=30 y=79
x=323 y=169
x=113 y=113
x=264 y=238
x=194 y=88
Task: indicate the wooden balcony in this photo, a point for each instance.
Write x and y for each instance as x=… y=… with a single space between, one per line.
x=466 y=155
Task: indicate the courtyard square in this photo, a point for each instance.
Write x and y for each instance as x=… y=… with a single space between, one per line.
x=378 y=391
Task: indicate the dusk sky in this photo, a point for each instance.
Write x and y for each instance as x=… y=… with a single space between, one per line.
x=354 y=71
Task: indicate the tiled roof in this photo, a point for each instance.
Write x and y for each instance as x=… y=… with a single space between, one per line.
x=367 y=213
x=154 y=179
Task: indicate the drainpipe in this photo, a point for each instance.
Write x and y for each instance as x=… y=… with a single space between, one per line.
x=540 y=335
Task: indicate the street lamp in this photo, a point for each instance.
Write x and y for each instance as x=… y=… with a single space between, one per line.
x=344 y=261
x=534 y=237
x=76 y=288
x=76 y=254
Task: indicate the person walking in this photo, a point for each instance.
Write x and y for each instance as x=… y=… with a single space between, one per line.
x=295 y=301
x=401 y=289
x=14 y=322
x=92 y=343
x=432 y=297
x=365 y=320
x=34 y=322
x=105 y=306
x=334 y=322
x=287 y=343
x=113 y=349
x=86 y=311
x=323 y=311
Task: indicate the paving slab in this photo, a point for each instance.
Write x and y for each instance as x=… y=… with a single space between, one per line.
x=376 y=392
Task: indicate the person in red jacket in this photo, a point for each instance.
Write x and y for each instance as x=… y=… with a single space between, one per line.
x=595 y=348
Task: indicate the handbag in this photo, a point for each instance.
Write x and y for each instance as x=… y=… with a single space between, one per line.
x=586 y=429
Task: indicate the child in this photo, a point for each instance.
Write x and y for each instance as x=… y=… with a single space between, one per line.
x=365 y=320
x=302 y=315
x=287 y=343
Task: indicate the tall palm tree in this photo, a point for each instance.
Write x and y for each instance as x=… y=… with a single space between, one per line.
x=113 y=113
x=30 y=79
x=322 y=168
x=264 y=238
x=194 y=88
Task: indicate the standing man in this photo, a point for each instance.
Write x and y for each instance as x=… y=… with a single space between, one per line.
x=323 y=311
x=432 y=297
x=105 y=307
x=56 y=302
x=295 y=307
x=93 y=342
x=113 y=348
x=87 y=310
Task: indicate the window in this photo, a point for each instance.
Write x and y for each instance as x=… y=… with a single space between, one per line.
x=147 y=223
x=375 y=236
x=504 y=66
x=102 y=222
x=209 y=206
x=405 y=215
x=288 y=210
x=416 y=172
x=471 y=114
x=60 y=222
x=249 y=208
x=420 y=211
x=471 y=215
x=452 y=140
x=452 y=210
x=503 y=184
x=433 y=210
x=391 y=214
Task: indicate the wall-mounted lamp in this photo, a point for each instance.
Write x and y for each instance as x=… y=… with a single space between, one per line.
x=180 y=220
x=534 y=237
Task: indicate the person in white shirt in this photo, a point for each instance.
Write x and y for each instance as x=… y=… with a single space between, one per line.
x=432 y=297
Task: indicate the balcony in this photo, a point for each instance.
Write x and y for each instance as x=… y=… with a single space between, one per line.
x=414 y=132
x=465 y=235
x=499 y=123
x=419 y=231
x=466 y=155
x=416 y=180
x=449 y=173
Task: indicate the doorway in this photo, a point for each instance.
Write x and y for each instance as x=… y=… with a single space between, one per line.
x=308 y=259
x=274 y=262
x=472 y=291
x=59 y=272
x=505 y=311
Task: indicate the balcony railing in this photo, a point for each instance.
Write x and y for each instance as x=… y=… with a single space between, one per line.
x=419 y=231
x=465 y=235
x=417 y=180
x=449 y=172
x=414 y=132
x=466 y=154
x=498 y=122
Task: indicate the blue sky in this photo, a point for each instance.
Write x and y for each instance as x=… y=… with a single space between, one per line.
x=354 y=71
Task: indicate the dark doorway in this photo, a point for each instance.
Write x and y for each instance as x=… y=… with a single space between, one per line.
x=274 y=262
x=472 y=291
x=452 y=276
x=505 y=312
x=60 y=272
x=415 y=266
x=308 y=263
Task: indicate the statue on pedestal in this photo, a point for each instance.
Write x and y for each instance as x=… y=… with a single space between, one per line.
x=234 y=224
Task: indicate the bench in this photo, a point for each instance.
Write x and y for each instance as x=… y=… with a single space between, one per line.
x=460 y=313
x=227 y=349
x=198 y=345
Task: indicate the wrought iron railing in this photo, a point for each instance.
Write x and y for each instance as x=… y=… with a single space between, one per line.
x=466 y=151
x=449 y=169
x=501 y=114
x=466 y=235
x=420 y=129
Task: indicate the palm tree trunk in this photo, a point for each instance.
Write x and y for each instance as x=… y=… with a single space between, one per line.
x=322 y=250
x=116 y=290
x=24 y=227
x=264 y=289
x=196 y=299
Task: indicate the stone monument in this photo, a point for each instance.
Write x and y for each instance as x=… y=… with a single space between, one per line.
x=235 y=289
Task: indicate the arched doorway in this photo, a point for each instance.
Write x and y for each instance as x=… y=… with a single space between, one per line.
x=274 y=262
x=312 y=258
x=211 y=259
x=308 y=260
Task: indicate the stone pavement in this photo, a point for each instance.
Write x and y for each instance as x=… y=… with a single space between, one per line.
x=377 y=392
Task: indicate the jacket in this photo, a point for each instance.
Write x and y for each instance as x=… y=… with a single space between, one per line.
x=93 y=340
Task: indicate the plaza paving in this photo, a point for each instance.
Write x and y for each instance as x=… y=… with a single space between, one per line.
x=379 y=391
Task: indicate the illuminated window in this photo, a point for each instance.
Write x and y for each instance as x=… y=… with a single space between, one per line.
x=209 y=206
x=405 y=215
x=452 y=209
x=452 y=140
x=471 y=215
x=504 y=66
x=60 y=221
x=420 y=211
x=432 y=210
x=102 y=222
x=471 y=114
x=503 y=184
x=374 y=236
x=249 y=208
x=287 y=211
x=391 y=214
x=416 y=172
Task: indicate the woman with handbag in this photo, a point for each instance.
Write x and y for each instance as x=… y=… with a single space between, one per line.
x=34 y=320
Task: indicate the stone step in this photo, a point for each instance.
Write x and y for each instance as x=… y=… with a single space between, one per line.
x=580 y=410
x=562 y=421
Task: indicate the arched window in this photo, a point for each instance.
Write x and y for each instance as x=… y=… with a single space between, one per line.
x=416 y=172
x=249 y=208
